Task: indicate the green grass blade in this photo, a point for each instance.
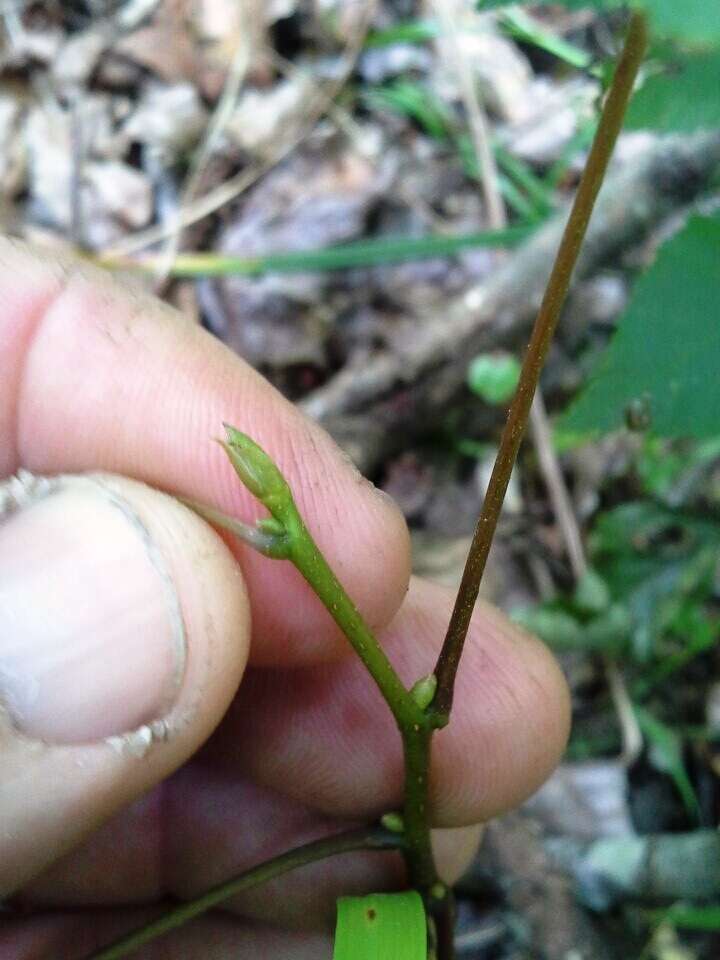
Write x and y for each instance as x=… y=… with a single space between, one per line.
x=525 y=29
x=411 y=31
x=381 y=926
x=365 y=253
x=415 y=101
x=666 y=756
x=537 y=191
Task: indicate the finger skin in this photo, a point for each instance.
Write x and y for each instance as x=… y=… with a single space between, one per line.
x=72 y=936
x=202 y=827
x=150 y=393
x=321 y=738
x=54 y=795
x=324 y=736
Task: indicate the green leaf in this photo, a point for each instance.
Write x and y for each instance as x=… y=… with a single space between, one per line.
x=653 y=559
x=556 y=627
x=559 y=629
x=664 y=465
x=667 y=346
x=610 y=630
x=494 y=376
x=698 y=632
x=645 y=595
x=411 y=31
x=666 y=756
x=687 y=916
x=684 y=97
x=591 y=593
x=695 y=20
x=526 y=29
x=381 y=926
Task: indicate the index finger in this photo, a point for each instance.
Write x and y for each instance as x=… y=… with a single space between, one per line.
x=94 y=375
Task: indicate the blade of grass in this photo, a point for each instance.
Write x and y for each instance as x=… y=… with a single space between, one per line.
x=526 y=29
x=537 y=191
x=667 y=756
x=513 y=196
x=365 y=253
x=413 y=100
x=411 y=31
x=526 y=194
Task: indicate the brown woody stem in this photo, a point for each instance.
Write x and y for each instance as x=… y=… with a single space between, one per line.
x=545 y=324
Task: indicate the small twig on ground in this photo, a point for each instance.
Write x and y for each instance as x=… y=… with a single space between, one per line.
x=77 y=231
x=555 y=482
x=630 y=733
x=230 y=189
x=448 y=14
x=216 y=125
x=632 y=740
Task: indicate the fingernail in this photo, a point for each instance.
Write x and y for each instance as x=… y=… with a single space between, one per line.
x=91 y=634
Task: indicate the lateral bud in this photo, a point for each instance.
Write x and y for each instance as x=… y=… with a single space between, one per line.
x=393 y=822
x=423 y=691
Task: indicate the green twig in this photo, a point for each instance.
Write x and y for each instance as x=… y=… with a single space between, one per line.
x=368 y=838
x=293 y=541
x=262 y=477
x=555 y=293
x=418 y=855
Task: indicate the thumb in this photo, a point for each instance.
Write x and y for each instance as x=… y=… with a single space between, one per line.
x=124 y=631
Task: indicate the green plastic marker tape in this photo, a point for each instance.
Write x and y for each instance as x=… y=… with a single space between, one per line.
x=381 y=926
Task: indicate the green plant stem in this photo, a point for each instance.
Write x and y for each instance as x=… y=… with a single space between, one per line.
x=285 y=535
x=545 y=324
x=310 y=562
x=368 y=838
x=418 y=852
x=414 y=723
x=297 y=545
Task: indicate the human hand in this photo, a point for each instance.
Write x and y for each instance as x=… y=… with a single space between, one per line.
x=119 y=607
